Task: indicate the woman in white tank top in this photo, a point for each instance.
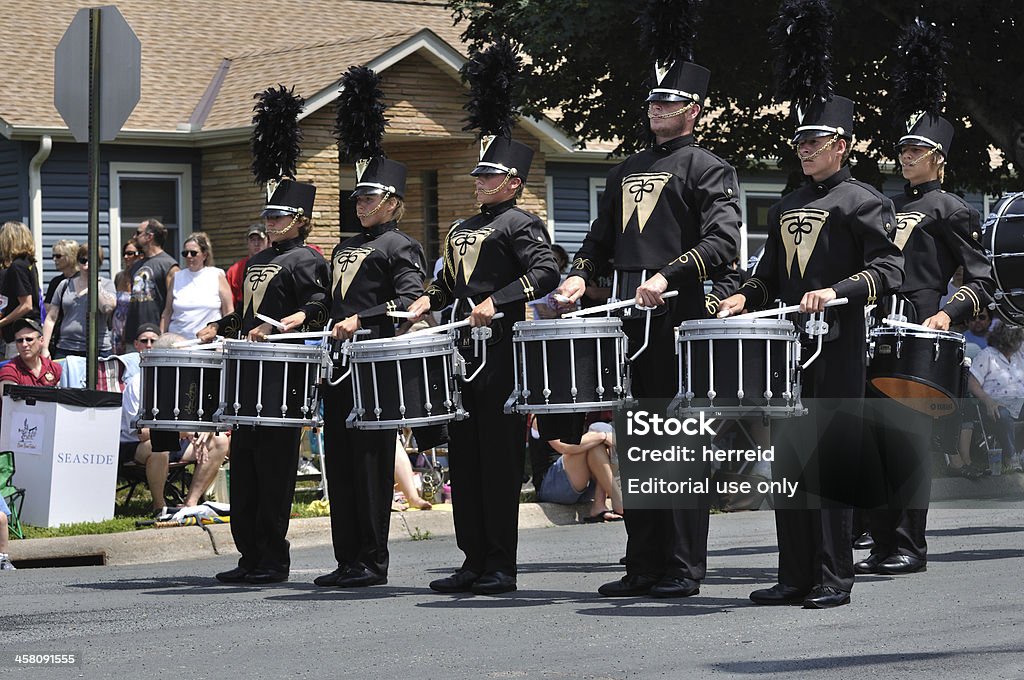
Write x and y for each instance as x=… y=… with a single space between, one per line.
x=199 y=293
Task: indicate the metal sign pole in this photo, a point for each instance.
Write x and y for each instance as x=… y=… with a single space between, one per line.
x=94 y=196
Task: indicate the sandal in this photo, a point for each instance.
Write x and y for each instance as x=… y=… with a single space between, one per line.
x=603 y=516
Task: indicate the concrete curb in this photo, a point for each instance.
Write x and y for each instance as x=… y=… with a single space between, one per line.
x=165 y=545
x=186 y=543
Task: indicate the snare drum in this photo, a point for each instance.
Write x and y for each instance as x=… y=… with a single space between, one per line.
x=920 y=369
x=738 y=367
x=568 y=365
x=1004 y=245
x=272 y=384
x=181 y=390
x=407 y=381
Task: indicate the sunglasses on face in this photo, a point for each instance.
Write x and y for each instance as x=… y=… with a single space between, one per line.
x=131 y=253
x=190 y=253
x=146 y=341
x=83 y=260
x=26 y=341
x=58 y=257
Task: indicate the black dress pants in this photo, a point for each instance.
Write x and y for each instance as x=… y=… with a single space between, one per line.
x=263 y=468
x=360 y=482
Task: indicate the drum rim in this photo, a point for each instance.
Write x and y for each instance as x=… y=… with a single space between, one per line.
x=200 y=357
x=565 y=323
x=234 y=349
x=406 y=341
x=736 y=323
x=952 y=336
x=1001 y=210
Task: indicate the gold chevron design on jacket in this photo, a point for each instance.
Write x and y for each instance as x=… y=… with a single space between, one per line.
x=800 y=231
x=905 y=224
x=640 y=193
x=346 y=265
x=257 y=279
x=465 y=247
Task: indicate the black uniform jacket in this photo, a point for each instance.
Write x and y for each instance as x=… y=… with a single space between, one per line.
x=828 y=234
x=938 y=232
x=377 y=271
x=673 y=209
x=502 y=253
x=285 y=278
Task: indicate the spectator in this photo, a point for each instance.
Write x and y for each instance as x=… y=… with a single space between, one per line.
x=150 y=278
x=30 y=367
x=207 y=450
x=584 y=472
x=65 y=259
x=130 y=254
x=405 y=480
x=256 y=241
x=977 y=333
x=71 y=306
x=5 y=559
x=19 y=292
x=198 y=294
x=997 y=379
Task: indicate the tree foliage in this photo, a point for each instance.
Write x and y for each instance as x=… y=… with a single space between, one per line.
x=584 y=62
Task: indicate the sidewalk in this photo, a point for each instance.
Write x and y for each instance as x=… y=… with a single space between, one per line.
x=164 y=545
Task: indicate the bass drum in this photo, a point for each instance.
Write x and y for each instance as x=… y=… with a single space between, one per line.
x=1004 y=245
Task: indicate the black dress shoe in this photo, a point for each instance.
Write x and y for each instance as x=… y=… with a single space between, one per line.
x=460 y=582
x=330 y=580
x=236 y=575
x=675 y=587
x=264 y=576
x=629 y=586
x=869 y=565
x=864 y=542
x=779 y=594
x=494 y=583
x=902 y=564
x=361 y=578
x=825 y=597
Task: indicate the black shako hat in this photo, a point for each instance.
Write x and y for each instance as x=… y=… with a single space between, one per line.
x=291 y=198
x=379 y=175
x=928 y=130
x=824 y=118
x=684 y=81
x=503 y=156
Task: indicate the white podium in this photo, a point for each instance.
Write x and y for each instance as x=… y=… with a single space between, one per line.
x=65 y=445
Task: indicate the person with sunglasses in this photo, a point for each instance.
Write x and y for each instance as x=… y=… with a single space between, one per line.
x=197 y=294
x=30 y=366
x=130 y=254
x=70 y=306
x=151 y=277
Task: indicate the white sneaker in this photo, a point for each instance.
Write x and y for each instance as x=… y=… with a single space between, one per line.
x=6 y=564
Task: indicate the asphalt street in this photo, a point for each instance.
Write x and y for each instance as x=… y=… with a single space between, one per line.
x=963 y=618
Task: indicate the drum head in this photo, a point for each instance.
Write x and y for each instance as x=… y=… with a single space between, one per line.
x=914 y=393
x=1004 y=242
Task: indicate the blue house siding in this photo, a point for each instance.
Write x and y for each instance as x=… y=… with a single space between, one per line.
x=65 y=178
x=13 y=182
x=570 y=193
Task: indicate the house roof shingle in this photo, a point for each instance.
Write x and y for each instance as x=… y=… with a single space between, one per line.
x=186 y=42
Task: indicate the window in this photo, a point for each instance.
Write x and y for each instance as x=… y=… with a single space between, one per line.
x=755 y=201
x=140 y=191
x=431 y=237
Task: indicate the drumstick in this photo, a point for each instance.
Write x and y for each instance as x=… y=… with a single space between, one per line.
x=402 y=315
x=448 y=326
x=907 y=324
x=298 y=336
x=614 y=305
x=273 y=322
x=199 y=344
x=782 y=310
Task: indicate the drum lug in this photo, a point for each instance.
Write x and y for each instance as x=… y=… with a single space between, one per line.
x=816 y=327
x=899 y=347
x=936 y=350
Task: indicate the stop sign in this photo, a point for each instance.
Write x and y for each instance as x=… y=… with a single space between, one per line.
x=120 y=73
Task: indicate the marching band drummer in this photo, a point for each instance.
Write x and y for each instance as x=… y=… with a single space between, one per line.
x=287 y=282
x=670 y=219
x=495 y=261
x=937 y=232
x=826 y=240
x=379 y=270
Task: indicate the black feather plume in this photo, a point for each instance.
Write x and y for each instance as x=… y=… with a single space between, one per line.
x=276 y=137
x=667 y=30
x=802 y=38
x=919 y=74
x=494 y=80
x=360 y=121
